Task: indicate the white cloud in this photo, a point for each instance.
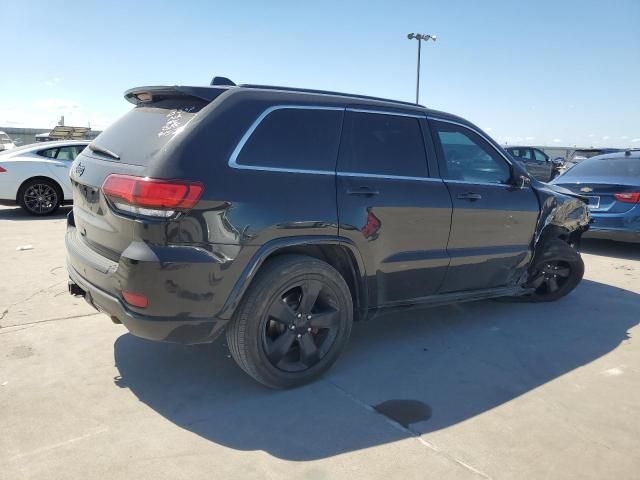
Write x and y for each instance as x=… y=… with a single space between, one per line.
x=624 y=137
x=556 y=140
x=529 y=138
x=606 y=137
x=635 y=140
x=57 y=104
x=52 y=81
x=488 y=129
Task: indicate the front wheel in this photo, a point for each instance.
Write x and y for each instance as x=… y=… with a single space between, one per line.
x=293 y=322
x=556 y=272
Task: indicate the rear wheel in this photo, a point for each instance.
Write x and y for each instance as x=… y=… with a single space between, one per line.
x=293 y=322
x=556 y=272
x=40 y=196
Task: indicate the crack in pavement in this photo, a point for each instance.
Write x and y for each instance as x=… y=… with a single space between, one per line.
x=42 y=290
x=408 y=431
x=36 y=322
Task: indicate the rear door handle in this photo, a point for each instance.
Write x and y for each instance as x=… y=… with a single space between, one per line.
x=472 y=197
x=363 y=191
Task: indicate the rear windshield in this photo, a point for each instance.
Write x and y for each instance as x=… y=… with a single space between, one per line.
x=606 y=167
x=145 y=130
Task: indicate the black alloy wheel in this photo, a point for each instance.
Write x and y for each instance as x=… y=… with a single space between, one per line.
x=293 y=321
x=301 y=326
x=551 y=277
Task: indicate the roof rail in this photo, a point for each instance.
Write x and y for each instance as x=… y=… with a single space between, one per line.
x=327 y=92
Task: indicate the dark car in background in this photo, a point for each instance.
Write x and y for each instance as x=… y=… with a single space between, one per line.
x=611 y=185
x=281 y=215
x=537 y=163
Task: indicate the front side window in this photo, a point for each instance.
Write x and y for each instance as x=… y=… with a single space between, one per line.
x=294 y=138
x=539 y=156
x=381 y=144
x=468 y=157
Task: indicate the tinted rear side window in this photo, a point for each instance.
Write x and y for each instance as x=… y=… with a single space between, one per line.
x=294 y=138
x=382 y=144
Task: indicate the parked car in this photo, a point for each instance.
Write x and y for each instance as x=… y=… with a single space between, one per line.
x=537 y=163
x=281 y=215
x=36 y=176
x=5 y=142
x=611 y=185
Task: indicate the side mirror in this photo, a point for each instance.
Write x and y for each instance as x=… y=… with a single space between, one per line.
x=559 y=161
x=522 y=182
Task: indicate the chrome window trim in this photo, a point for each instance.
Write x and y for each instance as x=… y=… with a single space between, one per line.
x=482 y=135
x=385 y=112
x=388 y=177
x=233 y=159
x=467 y=182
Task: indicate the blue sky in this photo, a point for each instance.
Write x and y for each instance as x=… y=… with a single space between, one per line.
x=558 y=72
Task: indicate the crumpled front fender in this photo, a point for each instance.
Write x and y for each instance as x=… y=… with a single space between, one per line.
x=562 y=215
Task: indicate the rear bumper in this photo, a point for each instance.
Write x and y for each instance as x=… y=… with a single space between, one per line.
x=151 y=328
x=617 y=235
x=186 y=287
x=624 y=227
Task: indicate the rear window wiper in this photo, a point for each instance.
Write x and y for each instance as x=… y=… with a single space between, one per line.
x=95 y=148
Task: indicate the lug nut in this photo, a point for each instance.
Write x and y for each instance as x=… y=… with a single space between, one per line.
x=309 y=329
x=299 y=315
x=308 y=317
x=299 y=335
x=292 y=327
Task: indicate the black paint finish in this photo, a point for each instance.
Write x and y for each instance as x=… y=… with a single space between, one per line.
x=405 y=238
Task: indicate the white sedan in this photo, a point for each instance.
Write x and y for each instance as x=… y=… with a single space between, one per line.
x=36 y=176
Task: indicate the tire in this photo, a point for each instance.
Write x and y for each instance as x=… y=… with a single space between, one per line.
x=557 y=258
x=275 y=337
x=40 y=196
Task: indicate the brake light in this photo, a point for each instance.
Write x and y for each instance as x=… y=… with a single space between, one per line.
x=2 y=170
x=151 y=197
x=628 y=197
x=135 y=299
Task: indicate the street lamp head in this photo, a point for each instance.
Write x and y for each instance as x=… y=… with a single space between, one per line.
x=410 y=36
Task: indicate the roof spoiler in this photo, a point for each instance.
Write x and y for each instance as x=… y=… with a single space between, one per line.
x=142 y=95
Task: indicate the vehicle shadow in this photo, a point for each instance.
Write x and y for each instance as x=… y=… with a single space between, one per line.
x=610 y=248
x=19 y=215
x=460 y=361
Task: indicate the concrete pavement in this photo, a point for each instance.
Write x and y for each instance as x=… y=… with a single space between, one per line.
x=513 y=390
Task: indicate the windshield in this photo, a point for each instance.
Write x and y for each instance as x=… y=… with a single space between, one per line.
x=606 y=167
x=4 y=138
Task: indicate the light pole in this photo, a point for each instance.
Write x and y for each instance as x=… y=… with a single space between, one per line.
x=420 y=37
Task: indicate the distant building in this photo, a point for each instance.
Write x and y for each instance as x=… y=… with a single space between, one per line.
x=25 y=136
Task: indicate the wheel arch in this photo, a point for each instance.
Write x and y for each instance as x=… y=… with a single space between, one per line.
x=340 y=253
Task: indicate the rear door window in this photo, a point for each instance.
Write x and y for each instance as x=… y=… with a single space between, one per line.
x=69 y=153
x=383 y=144
x=294 y=139
x=49 y=153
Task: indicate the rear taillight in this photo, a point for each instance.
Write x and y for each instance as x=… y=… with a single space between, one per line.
x=628 y=197
x=151 y=197
x=2 y=170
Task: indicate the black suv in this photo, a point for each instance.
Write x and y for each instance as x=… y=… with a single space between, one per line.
x=282 y=215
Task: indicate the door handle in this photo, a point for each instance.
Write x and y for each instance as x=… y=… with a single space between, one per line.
x=472 y=197
x=362 y=191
